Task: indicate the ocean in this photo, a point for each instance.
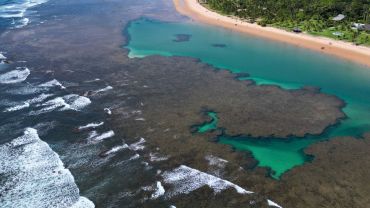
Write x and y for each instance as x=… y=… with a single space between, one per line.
x=15 y=13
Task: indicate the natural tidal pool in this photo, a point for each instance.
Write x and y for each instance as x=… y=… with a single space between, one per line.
x=208 y=126
x=267 y=62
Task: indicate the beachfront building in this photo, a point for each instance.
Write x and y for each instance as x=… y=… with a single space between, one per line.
x=339 y=17
x=358 y=26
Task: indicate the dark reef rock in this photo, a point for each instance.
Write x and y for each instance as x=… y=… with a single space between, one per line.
x=242 y=107
x=337 y=177
x=219 y=45
x=182 y=38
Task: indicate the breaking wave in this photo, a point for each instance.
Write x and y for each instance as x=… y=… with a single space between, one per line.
x=52 y=83
x=185 y=180
x=95 y=137
x=15 y=76
x=27 y=103
x=91 y=126
x=17 y=107
x=14 y=11
x=67 y=102
x=34 y=176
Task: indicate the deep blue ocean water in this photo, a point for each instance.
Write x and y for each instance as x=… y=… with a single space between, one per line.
x=13 y=13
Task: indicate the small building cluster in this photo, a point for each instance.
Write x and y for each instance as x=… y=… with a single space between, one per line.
x=360 y=26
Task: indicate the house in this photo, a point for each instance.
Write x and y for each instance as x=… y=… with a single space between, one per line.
x=339 y=17
x=358 y=26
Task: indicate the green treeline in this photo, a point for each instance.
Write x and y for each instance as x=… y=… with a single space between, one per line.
x=313 y=16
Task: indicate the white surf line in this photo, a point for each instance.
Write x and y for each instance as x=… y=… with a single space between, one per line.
x=27 y=103
x=15 y=76
x=2 y=57
x=138 y=145
x=17 y=107
x=23 y=22
x=159 y=191
x=104 y=89
x=185 y=180
x=95 y=137
x=39 y=98
x=114 y=150
x=136 y=156
x=35 y=176
x=156 y=157
x=273 y=204
x=215 y=161
x=67 y=102
x=108 y=111
x=34 y=89
x=52 y=83
x=91 y=126
x=76 y=102
x=18 y=10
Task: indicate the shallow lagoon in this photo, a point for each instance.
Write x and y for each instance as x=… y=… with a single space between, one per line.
x=267 y=62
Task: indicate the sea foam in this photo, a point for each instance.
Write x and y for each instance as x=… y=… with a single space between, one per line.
x=185 y=180
x=215 y=161
x=34 y=176
x=159 y=190
x=15 y=76
x=2 y=57
x=34 y=89
x=67 y=102
x=17 y=9
x=114 y=150
x=104 y=89
x=52 y=83
x=26 y=104
x=273 y=204
x=138 y=145
x=95 y=137
x=23 y=22
x=91 y=126
x=17 y=107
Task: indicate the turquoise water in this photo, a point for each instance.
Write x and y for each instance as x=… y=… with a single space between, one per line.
x=267 y=62
x=209 y=126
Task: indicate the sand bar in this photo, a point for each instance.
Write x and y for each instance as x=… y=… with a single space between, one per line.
x=358 y=54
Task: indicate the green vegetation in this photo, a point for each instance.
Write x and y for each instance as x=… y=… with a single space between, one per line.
x=312 y=16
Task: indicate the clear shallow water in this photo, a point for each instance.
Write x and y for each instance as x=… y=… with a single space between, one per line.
x=208 y=126
x=267 y=62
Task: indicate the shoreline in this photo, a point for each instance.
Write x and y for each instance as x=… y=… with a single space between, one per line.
x=341 y=49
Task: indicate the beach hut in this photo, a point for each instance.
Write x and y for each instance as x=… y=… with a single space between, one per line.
x=339 y=17
x=358 y=26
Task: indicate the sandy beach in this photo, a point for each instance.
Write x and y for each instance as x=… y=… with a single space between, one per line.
x=358 y=54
